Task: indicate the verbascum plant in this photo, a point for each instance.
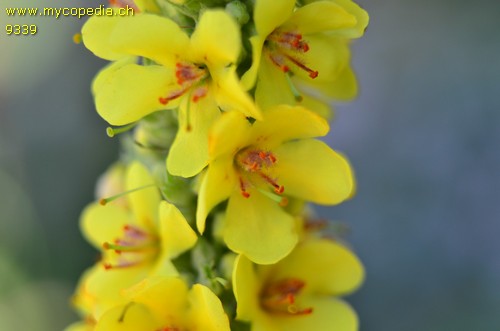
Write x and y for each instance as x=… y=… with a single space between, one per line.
x=204 y=222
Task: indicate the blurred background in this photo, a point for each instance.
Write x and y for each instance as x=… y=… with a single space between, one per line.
x=423 y=137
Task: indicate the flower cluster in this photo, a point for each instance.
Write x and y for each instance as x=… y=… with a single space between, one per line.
x=203 y=222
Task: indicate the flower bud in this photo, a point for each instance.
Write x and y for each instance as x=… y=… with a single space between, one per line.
x=238 y=10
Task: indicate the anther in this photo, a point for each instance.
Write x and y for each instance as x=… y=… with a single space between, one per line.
x=312 y=73
x=280 y=297
x=244 y=193
x=199 y=93
x=277 y=188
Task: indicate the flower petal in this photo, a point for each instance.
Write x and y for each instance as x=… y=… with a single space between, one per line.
x=131 y=92
x=334 y=270
x=104 y=75
x=144 y=202
x=228 y=135
x=219 y=26
x=311 y=170
x=175 y=232
x=283 y=123
x=107 y=285
x=343 y=87
x=327 y=314
x=128 y=317
x=151 y=36
x=327 y=55
x=188 y=154
x=230 y=94
x=100 y=224
x=206 y=311
x=248 y=79
x=259 y=228
x=165 y=296
x=246 y=289
x=96 y=34
x=361 y=15
x=217 y=185
x=273 y=89
x=149 y=6
x=268 y=15
x=319 y=17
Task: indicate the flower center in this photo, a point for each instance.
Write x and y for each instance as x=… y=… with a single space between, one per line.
x=255 y=165
x=280 y=297
x=285 y=50
x=190 y=78
x=135 y=247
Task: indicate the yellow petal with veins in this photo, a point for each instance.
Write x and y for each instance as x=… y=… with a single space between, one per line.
x=132 y=91
x=218 y=26
x=319 y=17
x=311 y=170
x=259 y=228
x=268 y=15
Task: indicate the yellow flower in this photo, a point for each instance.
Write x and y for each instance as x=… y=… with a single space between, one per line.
x=305 y=47
x=135 y=243
x=162 y=303
x=195 y=74
x=254 y=165
x=297 y=293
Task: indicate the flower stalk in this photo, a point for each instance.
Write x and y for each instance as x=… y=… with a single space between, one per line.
x=204 y=221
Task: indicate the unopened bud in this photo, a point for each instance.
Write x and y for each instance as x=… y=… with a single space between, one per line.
x=238 y=10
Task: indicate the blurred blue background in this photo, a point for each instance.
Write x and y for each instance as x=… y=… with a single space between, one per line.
x=423 y=137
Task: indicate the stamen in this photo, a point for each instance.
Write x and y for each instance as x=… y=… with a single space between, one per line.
x=288 y=45
x=199 y=93
x=280 y=297
x=188 y=114
x=188 y=73
x=312 y=73
x=164 y=101
x=257 y=162
x=244 y=193
x=111 y=132
x=134 y=232
x=121 y=265
x=104 y=201
x=278 y=62
x=127 y=248
x=282 y=201
x=277 y=188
